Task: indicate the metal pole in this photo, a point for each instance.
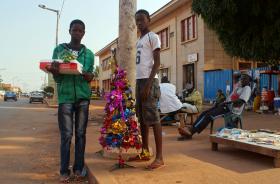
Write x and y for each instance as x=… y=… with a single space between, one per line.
x=57 y=22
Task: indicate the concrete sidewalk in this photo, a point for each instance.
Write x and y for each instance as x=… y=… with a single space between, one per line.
x=191 y=161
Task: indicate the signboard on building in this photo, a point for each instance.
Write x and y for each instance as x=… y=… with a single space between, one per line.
x=192 y=57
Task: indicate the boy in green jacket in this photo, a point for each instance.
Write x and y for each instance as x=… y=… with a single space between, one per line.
x=73 y=98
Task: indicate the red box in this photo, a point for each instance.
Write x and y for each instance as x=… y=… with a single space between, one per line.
x=73 y=67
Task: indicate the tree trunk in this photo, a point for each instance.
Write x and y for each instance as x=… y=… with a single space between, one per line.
x=127 y=39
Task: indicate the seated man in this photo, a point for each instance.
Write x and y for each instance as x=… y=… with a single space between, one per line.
x=238 y=99
x=193 y=103
x=169 y=102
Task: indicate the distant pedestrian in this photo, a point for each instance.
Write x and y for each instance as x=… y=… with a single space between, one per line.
x=227 y=88
x=220 y=97
x=73 y=97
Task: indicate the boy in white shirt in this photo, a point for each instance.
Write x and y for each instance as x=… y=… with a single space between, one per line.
x=147 y=88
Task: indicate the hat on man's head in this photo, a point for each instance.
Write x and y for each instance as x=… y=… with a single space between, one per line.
x=247 y=75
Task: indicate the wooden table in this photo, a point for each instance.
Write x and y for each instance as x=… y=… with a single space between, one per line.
x=268 y=150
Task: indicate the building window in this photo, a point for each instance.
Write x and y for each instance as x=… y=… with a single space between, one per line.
x=164 y=73
x=188 y=27
x=106 y=64
x=188 y=76
x=164 y=38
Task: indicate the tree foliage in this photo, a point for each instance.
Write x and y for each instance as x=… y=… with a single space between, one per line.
x=96 y=72
x=49 y=89
x=247 y=29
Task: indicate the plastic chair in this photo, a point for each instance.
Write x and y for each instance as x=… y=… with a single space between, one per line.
x=230 y=119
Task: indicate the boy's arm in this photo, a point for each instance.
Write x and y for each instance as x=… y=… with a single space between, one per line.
x=55 y=67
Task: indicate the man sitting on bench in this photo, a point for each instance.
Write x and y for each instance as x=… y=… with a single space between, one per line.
x=168 y=100
x=238 y=99
x=170 y=103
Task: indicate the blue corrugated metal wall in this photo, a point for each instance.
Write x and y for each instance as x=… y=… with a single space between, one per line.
x=264 y=79
x=214 y=80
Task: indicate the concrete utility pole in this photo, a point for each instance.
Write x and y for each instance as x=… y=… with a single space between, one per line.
x=127 y=39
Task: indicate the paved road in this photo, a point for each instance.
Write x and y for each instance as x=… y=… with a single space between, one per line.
x=28 y=143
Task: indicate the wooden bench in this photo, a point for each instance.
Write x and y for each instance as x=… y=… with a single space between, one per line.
x=179 y=114
x=267 y=150
x=192 y=115
x=182 y=118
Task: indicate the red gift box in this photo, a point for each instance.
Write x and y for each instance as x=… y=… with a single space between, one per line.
x=73 y=67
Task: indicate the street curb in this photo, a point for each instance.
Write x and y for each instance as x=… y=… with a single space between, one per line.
x=91 y=178
x=50 y=106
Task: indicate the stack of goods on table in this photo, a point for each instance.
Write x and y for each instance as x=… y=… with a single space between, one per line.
x=262 y=137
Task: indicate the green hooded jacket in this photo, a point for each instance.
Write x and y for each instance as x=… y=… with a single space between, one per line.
x=72 y=88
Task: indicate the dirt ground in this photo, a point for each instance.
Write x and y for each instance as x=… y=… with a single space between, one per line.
x=29 y=152
x=190 y=162
x=29 y=143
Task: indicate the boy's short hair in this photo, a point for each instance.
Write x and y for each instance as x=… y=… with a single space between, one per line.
x=145 y=12
x=77 y=21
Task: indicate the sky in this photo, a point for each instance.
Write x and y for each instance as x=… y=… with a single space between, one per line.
x=27 y=33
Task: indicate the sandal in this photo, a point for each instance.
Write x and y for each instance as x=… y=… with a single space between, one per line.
x=80 y=176
x=155 y=165
x=144 y=156
x=185 y=132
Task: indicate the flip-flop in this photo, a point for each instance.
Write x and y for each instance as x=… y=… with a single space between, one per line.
x=154 y=166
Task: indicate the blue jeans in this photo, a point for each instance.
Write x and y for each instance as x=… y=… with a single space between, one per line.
x=66 y=113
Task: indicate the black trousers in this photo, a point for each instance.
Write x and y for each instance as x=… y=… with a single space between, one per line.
x=205 y=117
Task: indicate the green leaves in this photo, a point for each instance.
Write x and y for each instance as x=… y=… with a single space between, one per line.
x=247 y=29
x=66 y=56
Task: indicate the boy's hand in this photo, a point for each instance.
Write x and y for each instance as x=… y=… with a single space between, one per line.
x=146 y=91
x=54 y=68
x=88 y=76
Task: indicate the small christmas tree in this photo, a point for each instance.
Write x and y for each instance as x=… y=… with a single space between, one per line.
x=120 y=129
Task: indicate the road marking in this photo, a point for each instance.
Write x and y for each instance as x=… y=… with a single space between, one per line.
x=25 y=108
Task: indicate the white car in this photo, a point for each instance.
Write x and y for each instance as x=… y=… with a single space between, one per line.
x=36 y=97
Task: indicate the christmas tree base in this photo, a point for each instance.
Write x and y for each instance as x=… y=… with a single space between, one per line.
x=114 y=153
x=120 y=166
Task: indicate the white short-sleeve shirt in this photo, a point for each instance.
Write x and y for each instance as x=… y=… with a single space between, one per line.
x=168 y=100
x=144 y=54
x=243 y=93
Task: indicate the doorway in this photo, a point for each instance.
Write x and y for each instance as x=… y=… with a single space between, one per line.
x=188 y=76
